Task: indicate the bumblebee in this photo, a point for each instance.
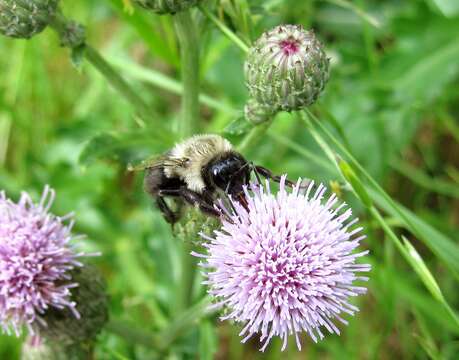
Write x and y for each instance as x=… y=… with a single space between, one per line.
x=195 y=171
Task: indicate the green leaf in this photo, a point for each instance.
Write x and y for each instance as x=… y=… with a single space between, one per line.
x=424 y=60
x=436 y=67
x=77 y=56
x=208 y=341
x=442 y=246
x=422 y=270
x=162 y=81
x=355 y=182
x=448 y=8
x=142 y=22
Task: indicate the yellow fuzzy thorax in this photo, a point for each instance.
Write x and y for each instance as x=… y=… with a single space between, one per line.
x=195 y=153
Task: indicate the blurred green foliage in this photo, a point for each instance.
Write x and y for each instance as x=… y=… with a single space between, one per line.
x=393 y=92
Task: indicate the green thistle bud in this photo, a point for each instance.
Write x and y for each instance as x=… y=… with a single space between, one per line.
x=25 y=18
x=257 y=113
x=286 y=69
x=167 y=6
x=71 y=33
x=192 y=223
x=63 y=327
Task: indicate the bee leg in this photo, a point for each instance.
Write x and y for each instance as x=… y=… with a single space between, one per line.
x=168 y=214
x=192 y=198
x=269 y=175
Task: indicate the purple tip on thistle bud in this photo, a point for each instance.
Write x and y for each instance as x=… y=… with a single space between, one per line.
x=286 y=263
x=36 y=261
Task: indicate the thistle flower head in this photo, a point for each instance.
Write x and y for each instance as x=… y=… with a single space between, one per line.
x=286 y=69
x=25 y=18
x=285 y=263
x=166 y=6
x=36 y=259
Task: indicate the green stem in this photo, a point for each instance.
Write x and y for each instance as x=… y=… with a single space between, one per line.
x=189 y=52
x=254 y=136
x=224 y=29
x=93 y=56
x=60 y=24
x=133 y=335
x=426 y=277
x=189 y=124
x=165 y=338
x=185 y=321
x=165 y=82
x=373 y=183
x=258 y=131
x=434 y=290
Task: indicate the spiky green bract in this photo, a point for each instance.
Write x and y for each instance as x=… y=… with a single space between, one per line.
x=25 y=18
x=92 y=305
x=286 y=69
x=166 y=6
x=192 y=223
x=257 y=113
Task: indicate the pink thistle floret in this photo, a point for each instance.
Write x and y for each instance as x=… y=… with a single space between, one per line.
x=285 y=263
x=36 y=258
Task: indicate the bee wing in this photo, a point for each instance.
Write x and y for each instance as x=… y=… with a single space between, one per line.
x=155 y=162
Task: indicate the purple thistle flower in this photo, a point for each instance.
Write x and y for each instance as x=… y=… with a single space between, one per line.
x=35 y=261
x=285 y=264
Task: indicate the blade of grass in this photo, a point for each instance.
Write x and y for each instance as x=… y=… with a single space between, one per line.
x=438 y=244
x=420 y=178
x=405 y=249
x=370 y=19
x=164 y=82
x=224 y=29
x=142 y=24
x=443 y=246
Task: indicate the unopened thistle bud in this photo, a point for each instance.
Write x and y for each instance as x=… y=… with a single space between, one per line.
x=166 y=6
x=286 y=69
x=62 y=327
x=25 y=18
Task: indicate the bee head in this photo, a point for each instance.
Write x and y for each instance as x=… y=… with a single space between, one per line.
x=229 y=173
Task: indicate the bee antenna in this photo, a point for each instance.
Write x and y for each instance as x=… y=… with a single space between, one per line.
x=257 y=175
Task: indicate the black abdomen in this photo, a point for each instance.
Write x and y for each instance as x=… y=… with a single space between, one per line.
x=156 y=180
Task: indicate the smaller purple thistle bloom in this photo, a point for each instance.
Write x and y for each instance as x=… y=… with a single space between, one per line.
x=286 y=263
x=35 y=261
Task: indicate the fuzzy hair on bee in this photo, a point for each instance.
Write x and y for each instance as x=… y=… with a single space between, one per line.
x=193 y=155
x=196 y=172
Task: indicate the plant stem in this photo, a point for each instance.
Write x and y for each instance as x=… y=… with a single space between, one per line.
x=414 y=261
x=93 y=56
x=133 y=335
x=373 y=183
x=189 y=52
x=165 y=82
x=185 y=321
x=254 y=135
x=188 y=125
x=60 y=24
x=225 y=30
x=165 y=338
